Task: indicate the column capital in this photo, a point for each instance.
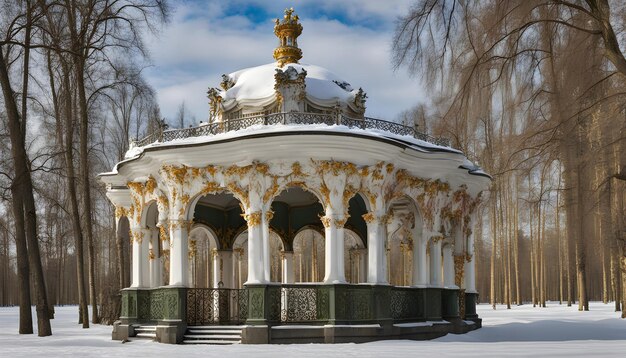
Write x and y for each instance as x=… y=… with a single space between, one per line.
x=253 y=219
x=180 y=224
x=374 y=218
x=338 y=220
x=436 y=238
x=138 y=234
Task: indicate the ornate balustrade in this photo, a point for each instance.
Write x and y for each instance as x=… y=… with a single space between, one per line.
x=291 y=304
x=302 y=118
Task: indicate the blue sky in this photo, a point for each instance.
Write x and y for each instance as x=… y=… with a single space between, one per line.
x=351 y=38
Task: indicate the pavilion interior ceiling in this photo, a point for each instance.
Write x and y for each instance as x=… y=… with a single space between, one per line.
x=294 y=210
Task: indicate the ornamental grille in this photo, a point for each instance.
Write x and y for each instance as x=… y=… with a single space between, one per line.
x=206 y=306
x=301 y=118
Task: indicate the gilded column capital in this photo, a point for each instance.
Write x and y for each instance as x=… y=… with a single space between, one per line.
x=138 y=235
x=269 y=215
x=180 y=224
x=253 y=219
x=339 y=222
x=372 y=218
x=436 y=238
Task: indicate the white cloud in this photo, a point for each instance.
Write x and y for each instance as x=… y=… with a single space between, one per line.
x=204 y=41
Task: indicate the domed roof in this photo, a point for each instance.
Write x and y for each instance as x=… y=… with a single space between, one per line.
x=256 y=86
x=285 y=85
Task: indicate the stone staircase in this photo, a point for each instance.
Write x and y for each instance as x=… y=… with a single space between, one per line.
x=213 y=335
x=147 y=332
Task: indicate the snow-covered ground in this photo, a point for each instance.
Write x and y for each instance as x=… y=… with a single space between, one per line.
x=521 y=331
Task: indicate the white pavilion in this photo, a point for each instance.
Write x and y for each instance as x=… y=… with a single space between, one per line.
x=291 y=216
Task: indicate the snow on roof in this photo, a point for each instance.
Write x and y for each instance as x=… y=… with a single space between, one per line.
x=278 y=128
x=255 y=85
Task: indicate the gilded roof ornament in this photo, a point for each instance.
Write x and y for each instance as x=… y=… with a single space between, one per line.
x=287 y=32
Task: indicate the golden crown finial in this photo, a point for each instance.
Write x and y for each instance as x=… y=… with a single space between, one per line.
x=287 y=32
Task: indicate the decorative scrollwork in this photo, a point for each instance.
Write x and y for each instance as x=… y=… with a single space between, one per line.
x=298 y=304
x=216 y=306
x=157 y=305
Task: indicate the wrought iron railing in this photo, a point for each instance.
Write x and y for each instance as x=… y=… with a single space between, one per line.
x=206 y=306
x=303 y=118
x=299 y=304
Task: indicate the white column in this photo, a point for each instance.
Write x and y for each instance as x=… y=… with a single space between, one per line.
x=341 y=249
x=223 y=269
x=448 y=267
x=256 y=271
x=435 y=262
x=140 y=272
x=191 y=262
x=333 y=249
x=155 y=259
x=179 y=252
x=376 y=250
x=265 y=222
x=145 y=257
x=226 y=258
x=470 y=273
x=216 y=268
x=238 y=258
x=420 y=262
x=288 y=273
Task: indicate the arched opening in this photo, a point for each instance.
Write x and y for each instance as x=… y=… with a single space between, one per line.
x=355 y=257
x=355 y=240
x=124 y=249
x=404 y=236
x=158 y=264
x=202 y=250
x=308 y=255
x=240 y=258
x=217 y=223
x=297 y=213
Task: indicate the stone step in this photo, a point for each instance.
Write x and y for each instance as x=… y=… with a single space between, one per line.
x=209 y=341
x=214 y=331
x=213 y=336
x=146 y=335
x=147 y=327
x=217 y=327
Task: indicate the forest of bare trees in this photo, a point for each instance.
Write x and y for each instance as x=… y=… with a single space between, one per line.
x=532 y=90
x=73 y=94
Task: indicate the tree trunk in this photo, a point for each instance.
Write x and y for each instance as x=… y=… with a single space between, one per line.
x=494 y=238
x=25 y=189
x=79 y=57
